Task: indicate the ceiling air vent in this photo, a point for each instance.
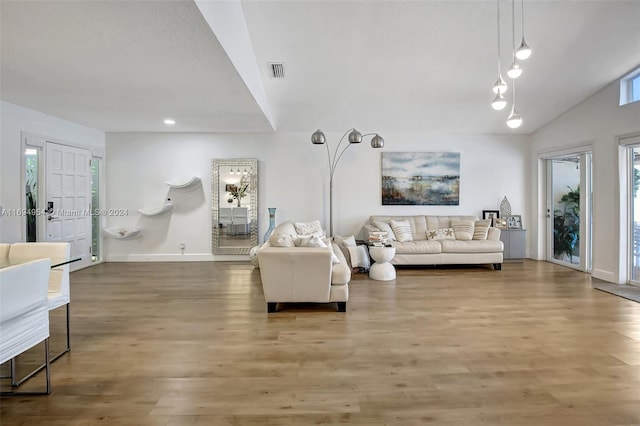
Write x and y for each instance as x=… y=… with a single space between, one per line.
x=277 y=69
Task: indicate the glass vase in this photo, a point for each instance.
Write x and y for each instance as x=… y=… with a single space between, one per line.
x=272 y=223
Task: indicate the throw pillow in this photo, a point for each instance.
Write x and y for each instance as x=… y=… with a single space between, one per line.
x=310 y=241
x=441 y=234
x=349 y=241
x=384 y=226
x=281 y=240
x=481 y=229
x=463 y=229
x=309 y=228
x=402 y=230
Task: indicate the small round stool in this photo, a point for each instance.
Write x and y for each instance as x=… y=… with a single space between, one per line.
x=382 y=270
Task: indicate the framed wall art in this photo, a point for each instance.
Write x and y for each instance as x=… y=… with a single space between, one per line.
x=421 y=178
x=491 y=214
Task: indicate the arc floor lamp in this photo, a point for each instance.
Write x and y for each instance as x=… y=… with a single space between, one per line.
x=354 y=137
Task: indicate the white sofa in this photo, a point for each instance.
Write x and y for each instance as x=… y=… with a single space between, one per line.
x=302 y=274
x=424 y=251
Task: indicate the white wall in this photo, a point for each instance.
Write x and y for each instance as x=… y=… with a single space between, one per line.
x=293 y=177
x=598 y=121
x=16 y=122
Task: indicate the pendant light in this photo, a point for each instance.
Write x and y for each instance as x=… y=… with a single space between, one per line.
x=514 y=120
x=524 y=51
x=499 y=102
x=515 y=71
x=500 y=86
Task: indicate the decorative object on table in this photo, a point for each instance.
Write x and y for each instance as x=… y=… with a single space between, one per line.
x=355 y=137
x=272 y=222
x=491 y=214
x=500 y=223
x=421 y=178
x=238 y=192
x=514 y=221
x=505 y=208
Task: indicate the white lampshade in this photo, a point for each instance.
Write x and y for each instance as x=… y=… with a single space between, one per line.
x=514 y=120
x=499 y=86
x=524 y=51
x=515 y=71
x=499 y=102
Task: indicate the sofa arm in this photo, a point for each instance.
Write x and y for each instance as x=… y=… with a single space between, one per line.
x=494 y=234
x=296 y=274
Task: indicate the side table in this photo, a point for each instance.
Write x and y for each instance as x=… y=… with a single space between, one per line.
x=382 y=270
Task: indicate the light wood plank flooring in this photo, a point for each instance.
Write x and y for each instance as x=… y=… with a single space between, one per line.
x=192 y=344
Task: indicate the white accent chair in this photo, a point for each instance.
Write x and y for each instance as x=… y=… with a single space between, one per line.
x=24 y=317
x=4 y=250
x=302 y=274
x=59 y=293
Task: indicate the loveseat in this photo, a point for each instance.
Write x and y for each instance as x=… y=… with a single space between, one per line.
x=439 y=240
x=298 y=264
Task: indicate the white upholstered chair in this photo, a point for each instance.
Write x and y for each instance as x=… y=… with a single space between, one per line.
x=59 y=289
x=240 y=218
x=224 y=219
x=24 y=316
x=4 y=250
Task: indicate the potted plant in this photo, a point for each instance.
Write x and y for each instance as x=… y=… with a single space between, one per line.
x=566 y=224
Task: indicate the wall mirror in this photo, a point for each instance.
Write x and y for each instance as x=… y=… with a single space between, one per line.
x=234 y=221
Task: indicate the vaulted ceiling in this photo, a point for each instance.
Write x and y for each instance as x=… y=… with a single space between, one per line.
x=395 y=65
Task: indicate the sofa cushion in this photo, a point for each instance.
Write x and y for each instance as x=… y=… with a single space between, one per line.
x=441 y=234
x=463 y=229
x=474 y=246
x=384 y=226
x=439 y=222
x=309 y=228
x=281 y=240
x=481 y=229
x=418 y=247
x=402 y=230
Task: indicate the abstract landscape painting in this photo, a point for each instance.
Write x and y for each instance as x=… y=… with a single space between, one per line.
x=421 y=178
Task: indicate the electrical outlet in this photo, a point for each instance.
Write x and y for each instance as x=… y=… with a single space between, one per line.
x=182 y=246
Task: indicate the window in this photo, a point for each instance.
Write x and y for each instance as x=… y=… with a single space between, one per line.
x=630 y=88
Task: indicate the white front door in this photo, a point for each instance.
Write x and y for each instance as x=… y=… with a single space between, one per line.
x=68 y=199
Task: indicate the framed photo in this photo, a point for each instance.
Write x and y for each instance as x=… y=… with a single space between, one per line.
x=514 y=221
x=500 y=223
x=491 y=214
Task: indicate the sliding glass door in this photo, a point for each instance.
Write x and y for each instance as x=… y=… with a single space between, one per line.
x=569 y=210
x=634 y=211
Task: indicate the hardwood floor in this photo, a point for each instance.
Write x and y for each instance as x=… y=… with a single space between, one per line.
x=191 y=343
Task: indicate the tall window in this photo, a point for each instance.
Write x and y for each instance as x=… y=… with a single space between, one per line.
x=95 y=206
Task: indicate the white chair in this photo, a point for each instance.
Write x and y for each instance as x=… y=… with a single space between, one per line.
x=59 y=289
x=24 y=316
x=4 y=250
x=240 y=217
x=224 y=218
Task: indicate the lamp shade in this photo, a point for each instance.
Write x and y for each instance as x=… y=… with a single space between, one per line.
x=515 y=71
x=499 y=102
x=355 y=136
x=514 y=121
x=377 y=141
x=317 y=137
x=500 y=86
x=524 y=51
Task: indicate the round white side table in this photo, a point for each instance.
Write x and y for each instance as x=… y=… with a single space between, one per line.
x=382 y=270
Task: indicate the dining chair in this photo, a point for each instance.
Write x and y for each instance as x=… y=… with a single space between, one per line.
x=24 y=316
x=224 y=218
x=240 y=217
x=59 y=293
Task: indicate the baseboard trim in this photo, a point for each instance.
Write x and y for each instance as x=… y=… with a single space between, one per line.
x=190 y=257
x=605 y=276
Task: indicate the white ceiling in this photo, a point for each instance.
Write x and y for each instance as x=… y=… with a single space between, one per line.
x=384 y=66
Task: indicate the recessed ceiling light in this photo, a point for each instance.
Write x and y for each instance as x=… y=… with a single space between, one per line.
x=169 y=121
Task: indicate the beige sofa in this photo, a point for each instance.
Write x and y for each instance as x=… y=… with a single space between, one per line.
x=302 y=274
x=422 y=250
